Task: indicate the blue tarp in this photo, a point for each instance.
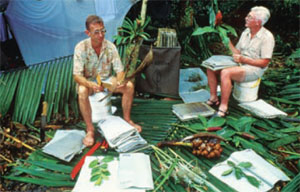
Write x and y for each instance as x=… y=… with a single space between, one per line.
x=46 y=30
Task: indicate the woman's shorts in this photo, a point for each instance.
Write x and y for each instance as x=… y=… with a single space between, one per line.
x=252 y=72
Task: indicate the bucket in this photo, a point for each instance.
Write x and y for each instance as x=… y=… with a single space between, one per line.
x=246 y=91
x=101 y=109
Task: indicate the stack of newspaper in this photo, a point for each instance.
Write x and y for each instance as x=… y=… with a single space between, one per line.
x=217 y=62
x=120 y=134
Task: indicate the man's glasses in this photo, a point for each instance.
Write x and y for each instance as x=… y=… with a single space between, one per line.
x=98 y=32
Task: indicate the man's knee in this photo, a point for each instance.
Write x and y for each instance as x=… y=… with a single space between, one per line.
x=224 y=74
x=83 y=92
x=129 y=87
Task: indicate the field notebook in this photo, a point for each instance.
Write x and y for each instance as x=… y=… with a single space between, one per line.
x=217 y=62
x=188 y=111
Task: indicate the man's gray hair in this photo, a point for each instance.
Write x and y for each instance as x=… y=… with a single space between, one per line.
x=261 y=13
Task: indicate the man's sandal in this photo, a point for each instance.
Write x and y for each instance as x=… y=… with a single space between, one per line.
x=212 y=103
x=221 y=113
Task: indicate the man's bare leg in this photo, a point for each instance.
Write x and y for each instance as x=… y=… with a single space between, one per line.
x=233 y=73
x=127 y=99
x=212 y=83
x=86 y=112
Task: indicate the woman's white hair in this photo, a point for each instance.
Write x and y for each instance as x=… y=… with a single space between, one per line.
x=261 y=13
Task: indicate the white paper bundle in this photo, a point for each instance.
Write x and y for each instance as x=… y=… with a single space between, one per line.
x=121 y=135
x=115 y=129
x=84 y=184
x=262 y=109
x=65 y=144
x=263 y=171
x=217 y=62
x=135 y=171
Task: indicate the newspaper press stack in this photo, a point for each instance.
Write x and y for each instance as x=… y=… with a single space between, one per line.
x=121 y=135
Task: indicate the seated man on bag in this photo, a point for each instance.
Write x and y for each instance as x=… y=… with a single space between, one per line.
x=254 y=51
x=97 y=56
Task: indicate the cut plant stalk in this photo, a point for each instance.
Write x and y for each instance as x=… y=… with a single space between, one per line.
x=181 y=169
x=6 y=159
x=17 y=140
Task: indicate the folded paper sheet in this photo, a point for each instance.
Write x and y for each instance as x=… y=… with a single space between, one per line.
x=262 y=109
x=263 y=171
x=135 y=171
x=65 y=144
x=84 y=184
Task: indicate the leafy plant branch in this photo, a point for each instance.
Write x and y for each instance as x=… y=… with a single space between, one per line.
x=239 y=173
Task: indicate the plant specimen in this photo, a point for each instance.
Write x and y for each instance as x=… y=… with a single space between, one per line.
x=100 y=169
x=239 y=173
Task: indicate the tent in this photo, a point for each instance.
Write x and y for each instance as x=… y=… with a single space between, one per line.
x=45 y=30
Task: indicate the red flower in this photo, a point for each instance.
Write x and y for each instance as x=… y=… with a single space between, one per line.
x=218 y=19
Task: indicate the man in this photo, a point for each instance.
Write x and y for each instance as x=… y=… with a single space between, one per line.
x=254 y=51
x=98 y=56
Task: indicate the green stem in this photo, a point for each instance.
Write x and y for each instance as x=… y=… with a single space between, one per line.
x=166 y=177
x=185 y=127
x=289 y=152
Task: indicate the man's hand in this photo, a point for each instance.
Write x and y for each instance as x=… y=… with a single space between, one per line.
x=96 y=88
x=237 y=58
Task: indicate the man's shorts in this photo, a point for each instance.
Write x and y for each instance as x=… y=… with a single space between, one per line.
x=252 y=72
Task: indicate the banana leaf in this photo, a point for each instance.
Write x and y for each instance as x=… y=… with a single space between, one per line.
x=44 y=182
x=43 y=173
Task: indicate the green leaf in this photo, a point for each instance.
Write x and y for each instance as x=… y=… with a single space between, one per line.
x=202 y=30
x=233 y=124
x=99 y=181
x=51 y=166
x=107 y=159
x=43 y=173
x=238 y=173
x=44 y=182
x=104 y=165
x=253 y=181
x=223 y=35
x=216 y=122
x=226 y=133
x=105 y=172
x=291 y=129
x=292 y=157
x=283 y=141
x=203 y=120
x=245 y=164
x=230 y=163
x=230 y=29
x=95 y=177
x=143 y=75
x=96 y=169
x=212 y=16
x=93 y=163
x=197 y=126
x=229 y=171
